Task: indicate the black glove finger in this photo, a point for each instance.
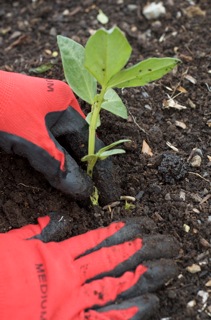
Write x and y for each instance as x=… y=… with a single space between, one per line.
x=106 y=181
x=56 y=230
x=154 y=248
x=146 y=306
x=157 y=274
x=136 y=285
x=72 y=132
x=136 y=227
x=72 y=180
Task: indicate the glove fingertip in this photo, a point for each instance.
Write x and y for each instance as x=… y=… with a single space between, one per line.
x=73 y=181
x=141 y=307
x=107 y=182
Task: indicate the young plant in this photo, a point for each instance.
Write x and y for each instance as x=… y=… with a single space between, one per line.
x=94 y=71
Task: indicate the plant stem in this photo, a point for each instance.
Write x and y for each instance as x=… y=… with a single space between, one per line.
x=95 y=111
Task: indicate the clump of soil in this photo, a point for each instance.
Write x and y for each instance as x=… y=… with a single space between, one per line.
x=172 y=168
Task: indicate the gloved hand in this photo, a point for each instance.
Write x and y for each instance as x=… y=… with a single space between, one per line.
x=108 y=273
x=35 y=116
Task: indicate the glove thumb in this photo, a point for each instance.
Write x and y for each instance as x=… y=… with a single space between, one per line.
x=31 y=230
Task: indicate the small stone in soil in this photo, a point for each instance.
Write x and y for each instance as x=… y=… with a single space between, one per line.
x=194 y=268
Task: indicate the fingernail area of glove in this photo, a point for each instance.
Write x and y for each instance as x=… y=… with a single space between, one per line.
x=73 y=180
x=157 y=275
x=146 y=305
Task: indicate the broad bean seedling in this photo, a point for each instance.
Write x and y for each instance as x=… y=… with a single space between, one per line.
x=95 y=70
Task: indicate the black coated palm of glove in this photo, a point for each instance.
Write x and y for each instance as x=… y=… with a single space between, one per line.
x=36 y=114
x=108 y=273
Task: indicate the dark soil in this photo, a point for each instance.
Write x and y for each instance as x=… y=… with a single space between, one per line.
x=168 y=189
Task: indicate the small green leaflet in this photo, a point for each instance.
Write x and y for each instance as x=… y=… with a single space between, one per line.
x=95 y=197
x=114 y=144
x=41 y=69
x=88 y=119
x=108 y=153
x=102 y=18
x=113 y=103
x=78 y=78
x=90 y=158
x=106 y=53
x=143 y=72
x=104 y=152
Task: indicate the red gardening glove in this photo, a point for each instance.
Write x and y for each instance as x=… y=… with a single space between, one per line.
x=36 y=115
x=104 y=274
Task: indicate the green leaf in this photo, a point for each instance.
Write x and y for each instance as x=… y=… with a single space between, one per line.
x=110 y=146
x=95 y=197
x=88 y=119
x=113 y=103
x=108 y=153
x=77 y=76
x=41 y=69
x=103 y=154
x=143 y=72
x=106 y=53
x=129 y=206
x=90 y=157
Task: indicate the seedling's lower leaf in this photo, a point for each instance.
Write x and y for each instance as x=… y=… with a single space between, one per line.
x=41 y=69
x=143 y=72
x=95 y=197
x=90 y=157
x=112 y=145
x=94 y=157
x=106 y=53
x=77 y=76
x=88 y=119
x=113 y=103
x=108 y=153
x=129 y=206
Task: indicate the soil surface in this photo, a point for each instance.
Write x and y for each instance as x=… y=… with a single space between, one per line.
x=172 y=183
